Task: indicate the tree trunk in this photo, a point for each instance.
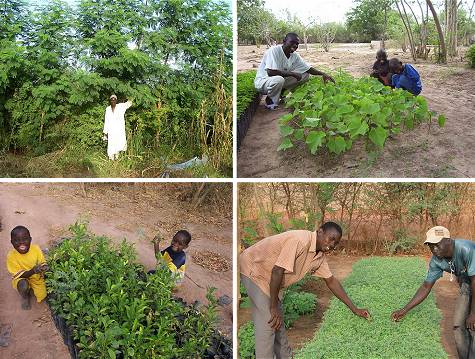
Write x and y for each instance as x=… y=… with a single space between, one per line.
x=451 y=28
x=442 y=58
x=407 y=26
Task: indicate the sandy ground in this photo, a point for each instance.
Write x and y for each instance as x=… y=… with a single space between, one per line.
x=446 y=152
x=304 y=329
x=118 y=211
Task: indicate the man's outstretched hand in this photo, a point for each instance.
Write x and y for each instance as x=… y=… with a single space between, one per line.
x=398 y=315
x=363 y=313
x=327 y=78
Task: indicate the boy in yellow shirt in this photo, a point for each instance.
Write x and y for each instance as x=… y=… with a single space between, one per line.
x=174 y=255
x=26 y=264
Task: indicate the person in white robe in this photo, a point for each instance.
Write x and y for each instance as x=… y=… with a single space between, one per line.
x=282 y=68
x=114 y=127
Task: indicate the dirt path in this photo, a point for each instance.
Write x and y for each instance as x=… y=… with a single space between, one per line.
x=446 y=152
x=304 y=329
x=118 y=211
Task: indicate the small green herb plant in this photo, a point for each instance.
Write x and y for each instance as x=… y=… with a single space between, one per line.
x=246 y=92
x=382 y=285
x=115 y=310
x=333 y=116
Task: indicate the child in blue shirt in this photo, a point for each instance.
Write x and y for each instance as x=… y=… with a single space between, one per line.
x=405 y=77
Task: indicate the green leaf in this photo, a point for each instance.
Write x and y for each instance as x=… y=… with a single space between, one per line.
x=346 y=108
x=378 y=136
x=357 y=127
x=299 y=134
x=336 y=144
x=286 y=144
x=286 y=130
x=441 y=120
x=286 y=119
x=111 y=353
x=314 y=140
x=311 y=122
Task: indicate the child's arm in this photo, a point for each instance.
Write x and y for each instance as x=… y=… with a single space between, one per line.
x=156 y=242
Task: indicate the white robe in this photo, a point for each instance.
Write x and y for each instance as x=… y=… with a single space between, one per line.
x=114 y=128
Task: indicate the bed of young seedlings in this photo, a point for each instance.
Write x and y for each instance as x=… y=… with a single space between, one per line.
x=113 y=309
x=382 y=285
x=333 y=116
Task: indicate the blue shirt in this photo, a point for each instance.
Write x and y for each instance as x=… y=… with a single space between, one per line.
x=409 y=80
x=462 y=263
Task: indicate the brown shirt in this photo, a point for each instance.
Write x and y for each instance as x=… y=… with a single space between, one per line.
x=295 y=251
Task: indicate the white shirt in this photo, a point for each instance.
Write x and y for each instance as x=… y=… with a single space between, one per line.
x=114 y=128
x=275 y=59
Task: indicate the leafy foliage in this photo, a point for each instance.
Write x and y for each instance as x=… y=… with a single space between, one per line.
x=471 y=56
x=113 y=307
x=246 y=92
x=403 y=242
x=382 y=285
x=247 y=341
x=334 y=116
x=59 y=65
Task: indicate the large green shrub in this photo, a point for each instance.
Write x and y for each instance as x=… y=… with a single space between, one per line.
x=382 y=285
x=114 y=309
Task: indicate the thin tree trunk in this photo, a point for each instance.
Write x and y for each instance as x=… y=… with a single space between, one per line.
x=407 y=25
x=451 y=28
x=442 y=50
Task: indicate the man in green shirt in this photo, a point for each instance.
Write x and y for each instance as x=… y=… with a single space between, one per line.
x=457 y=257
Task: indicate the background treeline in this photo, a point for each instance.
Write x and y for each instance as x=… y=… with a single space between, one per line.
x=59 y=65
x=411 y=24
x=376 y=217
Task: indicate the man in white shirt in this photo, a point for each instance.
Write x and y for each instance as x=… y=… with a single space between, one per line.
x=282 y=68
x=114 y=127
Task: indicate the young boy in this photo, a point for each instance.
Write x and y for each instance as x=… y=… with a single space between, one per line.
x=174 y=255
x=381 y=68
x=26 y=264
x=405 y=77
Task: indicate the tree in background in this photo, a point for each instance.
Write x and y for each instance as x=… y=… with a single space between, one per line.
x=59 y=66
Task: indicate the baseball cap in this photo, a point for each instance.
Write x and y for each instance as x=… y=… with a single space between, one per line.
x=435 y=234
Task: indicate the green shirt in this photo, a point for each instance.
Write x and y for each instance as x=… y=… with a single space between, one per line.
x=462 y=264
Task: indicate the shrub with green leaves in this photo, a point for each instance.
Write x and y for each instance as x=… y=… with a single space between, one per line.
x=382 y=285
x=114 y=309
x=471 y=56
x=246 y=92
x=333 y=116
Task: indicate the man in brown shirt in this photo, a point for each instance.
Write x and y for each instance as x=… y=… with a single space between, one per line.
x=275 y=263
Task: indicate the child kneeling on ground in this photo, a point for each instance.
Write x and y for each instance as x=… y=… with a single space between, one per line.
x=405 y=77
x=26 y=263
x=174 y=255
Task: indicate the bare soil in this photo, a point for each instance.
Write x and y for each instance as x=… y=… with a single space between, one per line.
x=422 y=152
x=134 y=212
x=304 y=329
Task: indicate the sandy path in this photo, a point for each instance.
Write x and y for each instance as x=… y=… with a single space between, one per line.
x=117 y=211
x=446 y=152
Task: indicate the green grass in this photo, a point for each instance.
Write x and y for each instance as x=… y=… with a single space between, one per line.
x=381 y=285
x=245 y=90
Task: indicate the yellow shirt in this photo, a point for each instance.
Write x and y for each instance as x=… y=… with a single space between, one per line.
x=18 y=263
